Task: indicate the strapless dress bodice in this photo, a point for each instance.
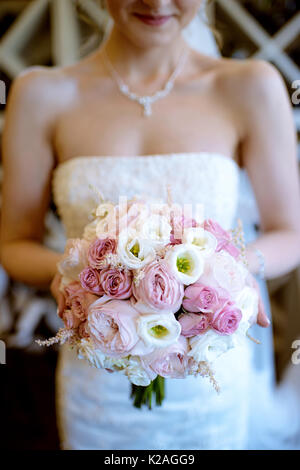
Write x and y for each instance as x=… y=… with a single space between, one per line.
x=208 y=178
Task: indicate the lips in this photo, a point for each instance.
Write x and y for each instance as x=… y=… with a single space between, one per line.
x=153 y=20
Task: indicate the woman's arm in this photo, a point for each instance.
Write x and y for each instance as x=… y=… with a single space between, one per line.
x=269 y=154
x=28 y=163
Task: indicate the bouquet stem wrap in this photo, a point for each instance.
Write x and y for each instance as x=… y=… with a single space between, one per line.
x=143 y=395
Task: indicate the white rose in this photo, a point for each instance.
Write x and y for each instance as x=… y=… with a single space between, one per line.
x=133 y=251
x=155 y=229
x=158 y=331
x=186 y=262
x=96 y=358
x=210 y=346
x=247 y=302
x=74 y=259
x=229 y=273
x=205 y=241
x=137 y=374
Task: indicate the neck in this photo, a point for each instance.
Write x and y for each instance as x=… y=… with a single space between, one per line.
x=142 y=67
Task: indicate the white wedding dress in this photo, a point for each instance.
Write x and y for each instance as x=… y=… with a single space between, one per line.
x=94 y=407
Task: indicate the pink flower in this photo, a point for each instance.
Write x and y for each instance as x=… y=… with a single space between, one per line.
x=223 y=237
x=199 y=297
x=116 y=283
x=76 y=304
x=170 y=362
x=193 y=324
x=90 y=280
x=99 y=249
x=226 y=319
x=158 y=290
x=111 y=327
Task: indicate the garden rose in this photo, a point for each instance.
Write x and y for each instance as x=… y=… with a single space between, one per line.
x=193 y=324
x=158 y=289
x=169 y=362
x=78 y=300
x=90 y=280
x=200 y=298
x=137 y=374
x=98 y=251
x=116 y=283
x=210 y=346
x=112 y=326
x=226 y=320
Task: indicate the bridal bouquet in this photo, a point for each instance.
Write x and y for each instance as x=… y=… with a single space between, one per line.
x=153 y=292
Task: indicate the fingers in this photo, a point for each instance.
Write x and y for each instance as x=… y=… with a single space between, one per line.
x=262 y=318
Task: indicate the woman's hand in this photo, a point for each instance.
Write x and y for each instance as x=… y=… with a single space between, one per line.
x=57 y=294
x=262 y=318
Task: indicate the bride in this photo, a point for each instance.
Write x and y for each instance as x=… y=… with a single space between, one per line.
x=68 y=128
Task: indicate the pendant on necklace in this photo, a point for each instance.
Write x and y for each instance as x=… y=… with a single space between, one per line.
x=146 y=102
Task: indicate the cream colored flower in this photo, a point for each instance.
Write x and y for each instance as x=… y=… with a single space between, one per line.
x=155 y=229
x=96 y=358
x=205 y=241
x=247 y=302
x=158 y=331
x=134 y=252
x=210 y=346
x=137 y=374
x=229 y=273
x=186 y=262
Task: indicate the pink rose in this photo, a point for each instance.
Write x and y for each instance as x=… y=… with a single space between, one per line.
x=76 y=303
x=224 y=238
x=199 y=297
x=226 y=319
x=170 y=362
x=90 y=280
x=70 y=321
x=99 y=249
x=116 y=283
x=158 y=289
x=111 y=327
x=193 y=324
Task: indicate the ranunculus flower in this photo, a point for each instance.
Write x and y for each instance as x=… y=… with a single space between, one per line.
x=112 y=327
x=99 y=249
x=90 y=280
x=116 y=283
x=210 y=346
x=133 y=251
x=170 y=362
x=158 y=331
x=200 y=298
x=74 y=259
x=186 y=262
x=137 y=374
x=193 y=324
x=226 y=319
x=158 y=289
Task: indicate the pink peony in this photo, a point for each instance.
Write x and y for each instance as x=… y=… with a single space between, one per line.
x=90 y=280
x=226 y=319
x=76 y=303
x=111 y=327
x=170 y=362
x=193 y=324
x=199 y=297
x=223 y=237
x=99 y=249
x=116 y=283
x=158 y=290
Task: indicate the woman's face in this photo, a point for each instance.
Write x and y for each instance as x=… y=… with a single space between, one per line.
x=152 y=22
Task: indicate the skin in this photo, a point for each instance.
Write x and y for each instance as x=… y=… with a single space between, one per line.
x=54 y=114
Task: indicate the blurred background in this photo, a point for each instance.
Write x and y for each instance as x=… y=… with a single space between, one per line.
x=59 y=32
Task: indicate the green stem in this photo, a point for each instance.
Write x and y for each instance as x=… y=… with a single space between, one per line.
x=143 y=395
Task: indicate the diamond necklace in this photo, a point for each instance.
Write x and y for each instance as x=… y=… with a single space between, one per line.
x=146 y=101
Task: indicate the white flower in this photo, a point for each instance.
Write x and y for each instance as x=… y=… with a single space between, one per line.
x=205 y=241
x=137 y=374
x=106 y=217
x=247 y=302
x=86 y=350
x=210 y=346
x=186 y=262
x=89 y=233
x=133 y=251
x=229 y=273
x=158 y=331
x=74 y=259
x=155 y=229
